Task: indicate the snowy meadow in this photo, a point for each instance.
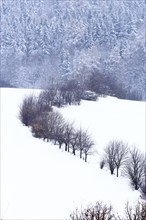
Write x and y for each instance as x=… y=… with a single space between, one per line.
x=41 y=181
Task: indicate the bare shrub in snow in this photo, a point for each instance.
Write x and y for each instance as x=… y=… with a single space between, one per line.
x=136 y=213
x=39 y=127
x=97 y=212
x=102 y=163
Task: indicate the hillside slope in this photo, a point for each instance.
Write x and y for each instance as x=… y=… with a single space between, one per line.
x=39 y=181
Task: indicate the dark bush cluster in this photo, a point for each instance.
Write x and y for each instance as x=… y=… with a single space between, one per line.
x=118 y=156
x=100 y=211
x=49 y=125
x=107 y=85
x=28 y=110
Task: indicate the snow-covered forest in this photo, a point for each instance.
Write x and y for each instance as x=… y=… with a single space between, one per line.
x=43 y=40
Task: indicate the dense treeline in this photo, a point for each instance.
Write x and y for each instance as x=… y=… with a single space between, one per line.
x=41 y=40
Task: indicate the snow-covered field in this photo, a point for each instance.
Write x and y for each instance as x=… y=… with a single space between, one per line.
x=39 y=181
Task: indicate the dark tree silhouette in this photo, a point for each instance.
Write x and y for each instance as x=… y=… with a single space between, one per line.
x=134 y=168
x=116 y=154
x=27 y=110
x=136 y=213
x=67 y=135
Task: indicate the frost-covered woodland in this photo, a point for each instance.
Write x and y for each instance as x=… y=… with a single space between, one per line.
x=43 y=40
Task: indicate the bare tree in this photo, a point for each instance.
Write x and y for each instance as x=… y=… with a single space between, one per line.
x=54 y=120
x=59 y=133
x=44 y=103
x=59 y=130
x=74 y=142
x=121 y=157
x=134 y=168
x=84 y=143
x=81 y=137
x=136 y=213
x=110 y=156
x=116 y=154
x=67 y=135
x=88 y=144
x=143 y=184
x=27 y=110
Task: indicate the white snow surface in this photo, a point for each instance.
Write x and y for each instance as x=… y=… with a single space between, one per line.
x=40 y=181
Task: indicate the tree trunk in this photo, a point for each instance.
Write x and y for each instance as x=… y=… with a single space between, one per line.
x=65 y=147
x=117 y=171
x=85 y=156
x=136 y=187
x=59 y=145
x=112 y=172
x=80 y=153
x=73 y=151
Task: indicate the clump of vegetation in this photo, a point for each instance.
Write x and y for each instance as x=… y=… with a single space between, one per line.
x=100 y=211
x=130 y=161
x=47 y=124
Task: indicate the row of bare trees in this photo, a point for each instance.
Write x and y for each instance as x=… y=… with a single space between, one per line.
x=130 y=161
x=101 y=211
x=49 y=125
x=33 y=106
x=52 y=127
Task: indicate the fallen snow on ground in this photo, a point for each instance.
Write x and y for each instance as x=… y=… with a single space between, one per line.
x=39 y=181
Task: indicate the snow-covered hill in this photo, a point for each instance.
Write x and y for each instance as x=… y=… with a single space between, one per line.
x=39 y=181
